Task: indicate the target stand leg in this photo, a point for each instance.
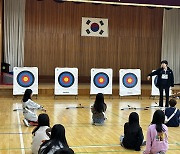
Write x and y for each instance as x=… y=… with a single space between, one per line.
x=14 y=97
x=111 y=96
x=74 y=96
x=151 y=96
x=139 y=96
x=90 y=96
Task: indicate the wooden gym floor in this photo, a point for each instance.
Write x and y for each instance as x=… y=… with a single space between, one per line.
x=82 y=137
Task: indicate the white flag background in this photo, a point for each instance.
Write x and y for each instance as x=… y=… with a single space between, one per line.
x=101 y=81
x=25 y=78
x=94 y=27
x=155 y=90
x=129 y=82
x=66 y=81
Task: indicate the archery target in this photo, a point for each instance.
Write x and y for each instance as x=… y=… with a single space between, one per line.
x=101 y=81
x=66 y=81
x=155 y=89
x=24 y=78
x=129 y=82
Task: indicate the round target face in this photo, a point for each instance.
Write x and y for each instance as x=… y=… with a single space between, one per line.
x=129 y=80
x=94 y=27
x=25 y=79
x=66 y=79
x=101 y=80
x=155 y=81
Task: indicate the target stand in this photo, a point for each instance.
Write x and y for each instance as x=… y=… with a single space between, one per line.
x=138 y=96
x=25 y=78
x=101 y=82
x=130 y=83
x=75 y=96
x=153 y=97
x=66 y=82
x=92 y=96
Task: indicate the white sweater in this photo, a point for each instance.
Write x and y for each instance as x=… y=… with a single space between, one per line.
x=39 y=136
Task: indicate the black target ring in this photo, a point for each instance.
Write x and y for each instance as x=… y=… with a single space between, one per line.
x=129 y=80
x=66 y=79
x=25 y=79
x=101 y=80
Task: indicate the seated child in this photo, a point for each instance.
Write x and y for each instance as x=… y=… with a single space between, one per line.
x=172 y=114
x=41 y=133
x=29 y=107
x=157 y=135
x=57 y=141
x=133 y=135
x=98 y=110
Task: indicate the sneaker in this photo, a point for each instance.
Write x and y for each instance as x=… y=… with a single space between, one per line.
x=26 y=123
x=98 y=124
x=161 y=152
x=31 y=123
x=144 y=143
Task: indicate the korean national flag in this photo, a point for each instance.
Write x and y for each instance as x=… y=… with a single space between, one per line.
x=94 y=27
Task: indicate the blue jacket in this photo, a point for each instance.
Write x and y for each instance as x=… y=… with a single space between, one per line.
x=174 y=121
x=159 y=72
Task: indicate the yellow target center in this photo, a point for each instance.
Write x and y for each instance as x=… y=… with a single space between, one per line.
x=25 y=79
x=101 y=80
x=129 y=80
x=66 y=79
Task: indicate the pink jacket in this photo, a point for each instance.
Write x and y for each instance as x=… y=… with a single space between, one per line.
x=156 y=142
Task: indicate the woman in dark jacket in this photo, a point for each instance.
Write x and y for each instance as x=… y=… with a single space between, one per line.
x=165 y=80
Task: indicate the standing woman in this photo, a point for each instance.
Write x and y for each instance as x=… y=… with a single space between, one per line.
x=98 y=110
x=165 y=80
x=29 y=107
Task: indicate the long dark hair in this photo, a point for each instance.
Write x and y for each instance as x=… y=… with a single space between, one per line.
x=43 y=120
x=27 y=95
x=99 y=103
x=158 y=119
x=133 y=122
x=57 y=137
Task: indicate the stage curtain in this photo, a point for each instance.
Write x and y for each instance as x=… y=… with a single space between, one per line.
x=171 y=41
x=14 y=24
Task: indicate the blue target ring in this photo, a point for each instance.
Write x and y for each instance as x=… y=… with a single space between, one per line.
x=155 y=81
x=101 y=80
x=129 y=80
x=25 y=79
x=94 y=27
x=66 y=79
